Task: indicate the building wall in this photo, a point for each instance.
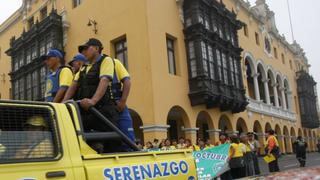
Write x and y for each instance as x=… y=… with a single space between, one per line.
x=156 y=95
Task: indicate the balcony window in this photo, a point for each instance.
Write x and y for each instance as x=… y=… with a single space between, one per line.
x=43 y=73
x=35 y=86
x=21 y=89
x=192 y=56
x=16 y=90
x=218 y=54
x=211 y=62
x=204 y=58
x=29 y=90
x=225 y=68
x=33 y=52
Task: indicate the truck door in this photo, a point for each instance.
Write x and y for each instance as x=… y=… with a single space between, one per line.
x=31 y=143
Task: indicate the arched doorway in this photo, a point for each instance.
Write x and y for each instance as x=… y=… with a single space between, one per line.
x=241 y=126
x=250 y=72
x=137 y=124
x=287 y=140
x=267 y=127
x=277 y=131
x=177 y=119
x=259 y=135
x=204 y=123
x=300 y=132
x=225 y=124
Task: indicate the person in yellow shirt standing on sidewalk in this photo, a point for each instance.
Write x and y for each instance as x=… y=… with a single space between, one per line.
x=59 y=78
x=236 y=158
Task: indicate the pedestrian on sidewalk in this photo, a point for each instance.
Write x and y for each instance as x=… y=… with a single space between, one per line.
x=301 y=150
x=236 y=158
x=248 y=155
x=272 y=147
x=255 y=146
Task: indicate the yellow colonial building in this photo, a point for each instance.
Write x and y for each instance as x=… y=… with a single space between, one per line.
x=198 y=67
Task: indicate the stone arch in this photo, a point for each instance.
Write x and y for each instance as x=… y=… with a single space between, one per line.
x=204 y=123
x=277 y=130
x=241 y=126
x=267 y=127
x=287 y=139
x=137 y=123
x=178 y=120
x=261 y=71
x=251 y=60
x=225 y=124
x=300 y=132
x=259 y=134
x=250 y=72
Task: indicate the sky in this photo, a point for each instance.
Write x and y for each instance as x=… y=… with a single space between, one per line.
x=306 y=25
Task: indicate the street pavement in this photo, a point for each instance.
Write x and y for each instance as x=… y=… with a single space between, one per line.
x=289 y=161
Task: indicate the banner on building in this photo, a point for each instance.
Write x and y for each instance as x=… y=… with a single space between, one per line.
x=212 y=162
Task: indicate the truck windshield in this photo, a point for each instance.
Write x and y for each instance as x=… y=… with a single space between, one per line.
x=26 y=133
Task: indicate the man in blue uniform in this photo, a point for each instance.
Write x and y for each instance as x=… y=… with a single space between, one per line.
x=77 y=62
x=59 y=78
x=121 y=88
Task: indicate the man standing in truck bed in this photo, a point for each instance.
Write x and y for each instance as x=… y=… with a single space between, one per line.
x=91 y=87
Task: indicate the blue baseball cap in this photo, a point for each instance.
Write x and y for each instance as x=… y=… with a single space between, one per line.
x=53 y=53
x=78 y=57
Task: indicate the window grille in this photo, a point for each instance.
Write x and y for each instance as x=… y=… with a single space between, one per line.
x=27 y=133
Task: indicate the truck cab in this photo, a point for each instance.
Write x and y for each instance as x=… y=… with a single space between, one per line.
x=59 y=150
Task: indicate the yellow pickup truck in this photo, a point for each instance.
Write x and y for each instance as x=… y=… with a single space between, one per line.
x=46 y=141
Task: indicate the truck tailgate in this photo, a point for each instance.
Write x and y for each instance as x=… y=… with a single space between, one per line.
x=142 y=165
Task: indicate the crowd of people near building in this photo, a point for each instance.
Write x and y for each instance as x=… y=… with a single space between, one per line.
x=243 y=153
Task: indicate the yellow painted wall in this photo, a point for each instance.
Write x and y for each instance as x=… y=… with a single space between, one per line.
x=146 y=24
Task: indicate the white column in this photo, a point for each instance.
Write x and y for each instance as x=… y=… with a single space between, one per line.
x=275 y=94
x=256 y=86
x=283 y=97
x=266 y=90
